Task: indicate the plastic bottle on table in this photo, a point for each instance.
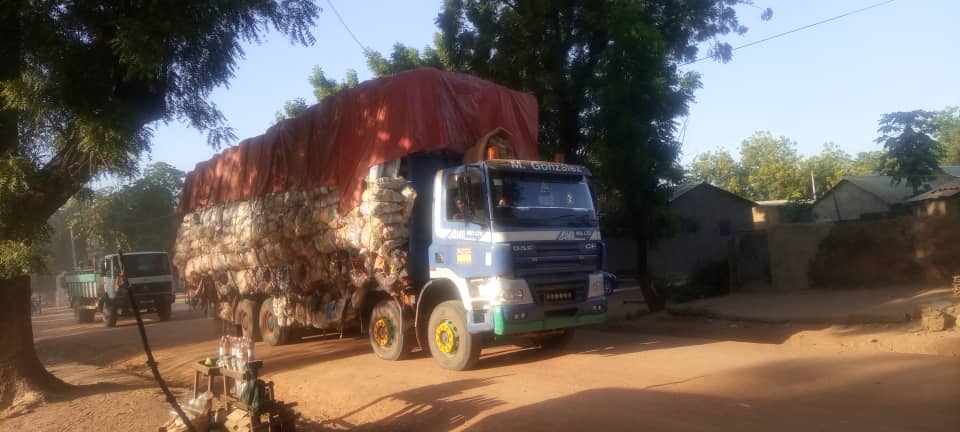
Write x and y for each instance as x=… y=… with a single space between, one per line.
x=222 y=351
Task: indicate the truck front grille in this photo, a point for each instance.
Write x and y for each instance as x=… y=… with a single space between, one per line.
x=557 y=296
x=557 y=272
x=152 y=288
x=558 y=288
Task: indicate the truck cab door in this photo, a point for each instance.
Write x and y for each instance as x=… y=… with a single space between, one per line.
x=109 y=278
x=462 y=246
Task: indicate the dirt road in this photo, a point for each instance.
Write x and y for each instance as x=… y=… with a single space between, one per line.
x=662 y=380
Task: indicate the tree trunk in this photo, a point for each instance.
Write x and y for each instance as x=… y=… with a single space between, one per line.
x=24 y=381
x=655 y=300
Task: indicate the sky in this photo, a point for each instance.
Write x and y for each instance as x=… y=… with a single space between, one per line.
x=830 y=83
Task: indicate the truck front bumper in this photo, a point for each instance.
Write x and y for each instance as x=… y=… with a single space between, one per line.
x=144 y=300
x=529 y=318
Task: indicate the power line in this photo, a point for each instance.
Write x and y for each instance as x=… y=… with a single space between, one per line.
x=844 y=15
x=345 y=26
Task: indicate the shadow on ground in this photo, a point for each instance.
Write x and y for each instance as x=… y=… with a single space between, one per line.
x=438 y=407
x=866 y=393
x=887 y=394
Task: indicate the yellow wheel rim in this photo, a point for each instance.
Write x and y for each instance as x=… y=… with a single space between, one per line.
x=383 y=332
x=447 y=338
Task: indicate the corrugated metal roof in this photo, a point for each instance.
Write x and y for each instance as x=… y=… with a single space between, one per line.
x=945 y=190
x=883 y=187
x=683 y=189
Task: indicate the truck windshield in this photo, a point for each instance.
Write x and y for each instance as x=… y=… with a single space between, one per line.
x=142 y=265
x=528 y=199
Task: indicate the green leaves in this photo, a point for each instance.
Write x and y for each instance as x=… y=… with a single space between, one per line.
x=947 y=123
x=402 y=58
x=771 y=169
x=85 y=79
x=21 y=257
x=912 y=155
x=138 y=216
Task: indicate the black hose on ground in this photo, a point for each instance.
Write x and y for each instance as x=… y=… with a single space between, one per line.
x=146 y=348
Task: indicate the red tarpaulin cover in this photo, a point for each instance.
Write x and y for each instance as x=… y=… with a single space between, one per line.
x=337 y=141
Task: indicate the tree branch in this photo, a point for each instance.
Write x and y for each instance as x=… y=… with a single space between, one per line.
x=59 y=179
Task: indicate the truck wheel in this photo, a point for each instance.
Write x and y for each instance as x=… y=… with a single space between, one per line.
x=87 y=316
x=387 y=336
x=164 y=310
x=82 y=315
x=270 y=328
x=556 y=341
x=450 y=343
x=246 y=318
x=109 y=314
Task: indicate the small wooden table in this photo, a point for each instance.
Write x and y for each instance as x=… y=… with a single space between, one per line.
x=211 y=372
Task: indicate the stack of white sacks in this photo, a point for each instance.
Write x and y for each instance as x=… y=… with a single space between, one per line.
x=297 y=242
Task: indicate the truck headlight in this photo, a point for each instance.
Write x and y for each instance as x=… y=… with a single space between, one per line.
x=596 y=285
x=503 y=290
x=489 y=288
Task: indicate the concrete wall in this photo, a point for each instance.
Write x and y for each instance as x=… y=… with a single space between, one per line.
x=792 y=248
x=864 y=254
x=849 y=202
x=712 y=217
x=940 y=207
x=750 y=262
x=767 y=216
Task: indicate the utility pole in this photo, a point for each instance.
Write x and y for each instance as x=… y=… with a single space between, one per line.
x=814 y=184
x=73 y=251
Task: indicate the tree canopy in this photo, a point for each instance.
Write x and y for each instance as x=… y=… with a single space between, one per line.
x=137 y=216
x=769 y=168
x=947 y=123
x=401 y=59
x=912 y=154
x=826 y=168
x=322 y=87
x=867 y=163
x=772 y=167
x=82 y=82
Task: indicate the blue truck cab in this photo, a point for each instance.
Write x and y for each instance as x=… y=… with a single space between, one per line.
x=503 y=248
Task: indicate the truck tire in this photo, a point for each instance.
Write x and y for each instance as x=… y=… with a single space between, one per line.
x=556 y=341
x=272 y=332
x=164 y=310
x=82 y=315
x=451 y=345
x=246 y=318
x=109 y=314
x=387 y=337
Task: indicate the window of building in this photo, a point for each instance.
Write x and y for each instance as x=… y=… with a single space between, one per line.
x=723 y=228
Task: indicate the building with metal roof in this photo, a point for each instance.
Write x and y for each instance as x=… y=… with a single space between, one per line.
x=863 y=197
x=940 y=201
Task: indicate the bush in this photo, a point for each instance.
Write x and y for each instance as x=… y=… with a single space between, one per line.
x=709 y=279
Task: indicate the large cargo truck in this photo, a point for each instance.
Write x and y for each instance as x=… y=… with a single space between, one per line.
x=97 y=290
x=447 y=247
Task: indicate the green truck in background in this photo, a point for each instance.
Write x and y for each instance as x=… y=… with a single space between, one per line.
x=151 y=279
